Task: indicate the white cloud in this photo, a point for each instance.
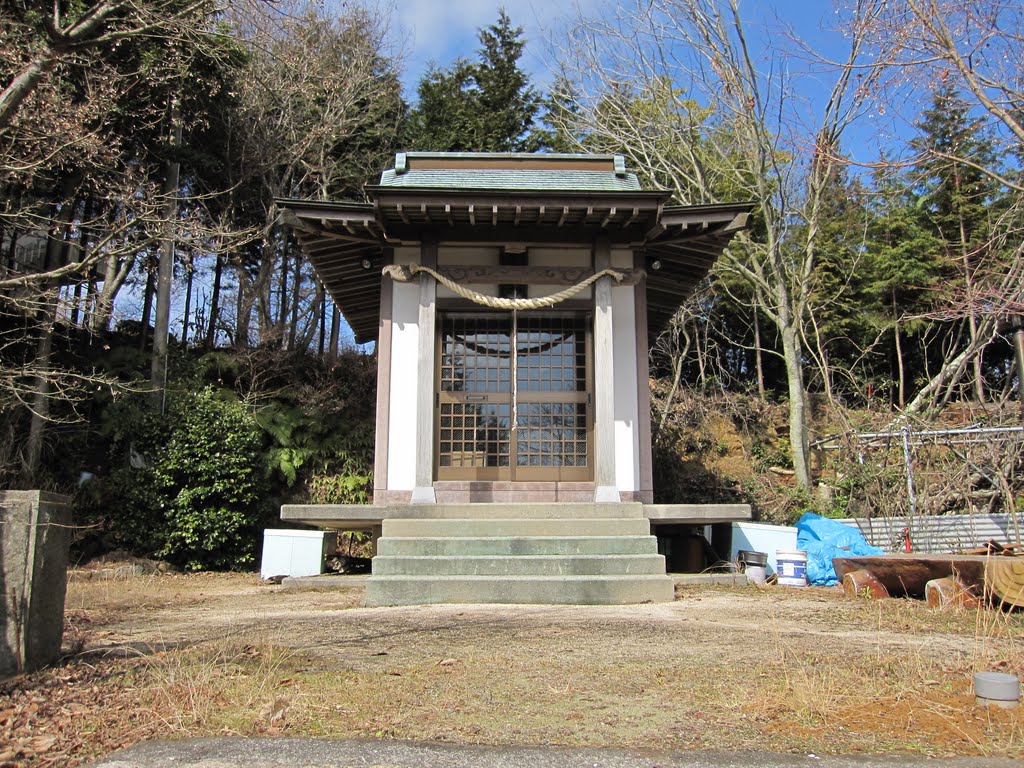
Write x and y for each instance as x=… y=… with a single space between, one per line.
x=439 y=31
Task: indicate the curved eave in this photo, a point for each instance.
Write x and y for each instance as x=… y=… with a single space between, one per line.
x=339 y=238
x=688 y=242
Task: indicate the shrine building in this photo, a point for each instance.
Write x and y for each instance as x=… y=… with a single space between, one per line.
x=513 y=300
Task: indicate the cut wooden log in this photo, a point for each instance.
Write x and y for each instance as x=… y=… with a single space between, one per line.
x=950 y=592
x=862 y=583
x=991 y=576
x=1004 y=580
x=907 y=574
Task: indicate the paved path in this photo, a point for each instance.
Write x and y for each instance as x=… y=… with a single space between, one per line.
x=342 y=753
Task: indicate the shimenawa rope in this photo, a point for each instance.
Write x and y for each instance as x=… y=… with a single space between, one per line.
x=395 y=272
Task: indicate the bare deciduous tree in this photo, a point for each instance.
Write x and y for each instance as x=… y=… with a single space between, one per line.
x=675 y=85
x=314 y=92
x=920 y=47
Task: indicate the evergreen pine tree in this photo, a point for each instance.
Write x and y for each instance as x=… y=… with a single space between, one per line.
x=956 y=193
x=483 y=106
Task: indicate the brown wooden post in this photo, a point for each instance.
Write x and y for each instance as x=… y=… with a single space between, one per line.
x=643 y=375
x=380 y=452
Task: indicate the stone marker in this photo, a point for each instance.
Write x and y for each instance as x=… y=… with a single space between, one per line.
x=35 y=531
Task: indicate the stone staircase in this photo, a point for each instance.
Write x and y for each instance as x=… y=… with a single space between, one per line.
x=586 y=554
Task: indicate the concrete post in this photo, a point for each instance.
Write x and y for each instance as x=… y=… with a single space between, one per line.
x=35 y=532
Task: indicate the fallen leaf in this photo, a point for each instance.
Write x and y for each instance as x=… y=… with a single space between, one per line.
x=274 y=711
x=43 y=743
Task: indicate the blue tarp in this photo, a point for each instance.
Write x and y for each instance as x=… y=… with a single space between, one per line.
x=822 y=539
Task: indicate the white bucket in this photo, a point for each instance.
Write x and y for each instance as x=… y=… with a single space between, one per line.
x=756 y=574
x=791 y=567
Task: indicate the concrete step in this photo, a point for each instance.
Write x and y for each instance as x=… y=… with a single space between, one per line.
x=475 y=527
x=523 y=511
x=467 y=546
x=561 y=590
x=519 y=565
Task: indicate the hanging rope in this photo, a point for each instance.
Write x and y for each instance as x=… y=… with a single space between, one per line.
x=396 y=272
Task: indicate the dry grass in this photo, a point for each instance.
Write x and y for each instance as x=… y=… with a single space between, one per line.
x=726 y=669
x=145 y=593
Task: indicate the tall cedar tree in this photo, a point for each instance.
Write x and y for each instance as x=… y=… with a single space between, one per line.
x=904 y=269
x=956 y=194
x=486 y=106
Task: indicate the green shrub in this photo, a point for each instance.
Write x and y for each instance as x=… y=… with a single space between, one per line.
x=244 y=432
x=122 y=508
x=213 y=483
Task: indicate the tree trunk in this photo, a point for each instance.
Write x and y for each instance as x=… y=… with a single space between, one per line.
x=323 y=325
x=81 y=248
x=953 y=369
x=900 y=371
x=901 y=391
x=699 y=348
x=12 y=251
x=1018 y=353
x=49 y=298
x=190 y=271
x=332 y=350
x=41 y=395
x=4 y=268
x=798 y=438
x=90 y=308
x=282 y=309
x=294 y=311
x=211 y=331
x=147 y=304
x=826 y=372
x=76 y=300
x=22 y=85
x=115 y=273
x=758 y=363
x=677 y=374
x=243 y=312
x=972 y=317
x=162 y=327
x=304 y=341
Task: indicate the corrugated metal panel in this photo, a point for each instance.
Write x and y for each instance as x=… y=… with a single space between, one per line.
x=518 y=180
x=941 y=534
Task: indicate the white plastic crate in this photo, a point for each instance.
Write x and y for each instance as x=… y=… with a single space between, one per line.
x=295 y=553
x=761 y=537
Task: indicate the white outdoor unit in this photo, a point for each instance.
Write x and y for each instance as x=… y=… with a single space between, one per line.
x=295 y=553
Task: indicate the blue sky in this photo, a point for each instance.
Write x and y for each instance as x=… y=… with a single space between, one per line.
x=440 y=30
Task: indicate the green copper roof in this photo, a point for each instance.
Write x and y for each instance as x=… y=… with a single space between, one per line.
x=480 y=178
x=499 y=171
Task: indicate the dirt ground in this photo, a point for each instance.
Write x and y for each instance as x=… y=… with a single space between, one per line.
x=788 y=670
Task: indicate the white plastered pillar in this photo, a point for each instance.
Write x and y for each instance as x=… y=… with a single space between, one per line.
x=423 y=491
x=605 y=489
